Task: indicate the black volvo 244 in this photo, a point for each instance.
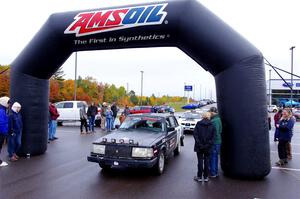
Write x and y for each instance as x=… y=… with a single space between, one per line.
x=143 y=140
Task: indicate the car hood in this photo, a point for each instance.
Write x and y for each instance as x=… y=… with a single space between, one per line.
x=190 y=120
x=143 y=138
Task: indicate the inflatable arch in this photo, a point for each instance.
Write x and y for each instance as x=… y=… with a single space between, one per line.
x=236 y=64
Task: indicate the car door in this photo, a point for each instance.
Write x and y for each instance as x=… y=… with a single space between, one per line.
x=69 y=111
x=60 y=109
x=171 y=134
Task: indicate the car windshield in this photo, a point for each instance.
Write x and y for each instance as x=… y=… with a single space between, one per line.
x=143 y=123
x=191 y=116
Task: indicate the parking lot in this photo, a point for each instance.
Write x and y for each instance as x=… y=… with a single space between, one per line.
x=64 y=172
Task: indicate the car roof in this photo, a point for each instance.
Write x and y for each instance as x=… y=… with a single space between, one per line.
x=157 y=115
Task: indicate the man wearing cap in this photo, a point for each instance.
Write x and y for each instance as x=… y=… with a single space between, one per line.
x=214 y=157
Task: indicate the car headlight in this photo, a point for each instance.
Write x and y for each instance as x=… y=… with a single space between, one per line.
x=100 y=149
x=142 y=152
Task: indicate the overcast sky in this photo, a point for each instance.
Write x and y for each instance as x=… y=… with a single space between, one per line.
x=271 y=25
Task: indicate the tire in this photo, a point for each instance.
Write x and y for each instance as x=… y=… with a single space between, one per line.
x=104 y=167
x=274 y=111
x=159 y=167
x=177 y=150
x=60 y=123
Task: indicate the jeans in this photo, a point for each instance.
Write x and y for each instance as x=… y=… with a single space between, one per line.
x=2 y=138
x=52 y=129
x=214 y=159
x=109 y=124
x=203 y=163
x=92 y=123
x=14 y=143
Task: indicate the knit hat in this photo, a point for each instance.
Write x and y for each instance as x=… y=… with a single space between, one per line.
x=15 y=106
x=4 y=101
x=213 y=110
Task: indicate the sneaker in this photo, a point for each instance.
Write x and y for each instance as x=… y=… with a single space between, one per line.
x=197 y=179
x=3 y=164
x=206 y=179
x=17 y=157
x=214 y=176
x=13 y=159
x=55 y=138
x=279 y=163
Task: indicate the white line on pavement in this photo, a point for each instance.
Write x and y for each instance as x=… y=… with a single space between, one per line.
x=292 y=153
x=287 y=169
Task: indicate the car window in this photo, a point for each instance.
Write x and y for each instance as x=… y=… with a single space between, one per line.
x=176 y=122
x=59 y=105
x=80 y=104
x=168 y=123
x=68 y=105
x=143 y=123
x=172 y=122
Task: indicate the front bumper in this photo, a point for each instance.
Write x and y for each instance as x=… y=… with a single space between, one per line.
x=132 y=163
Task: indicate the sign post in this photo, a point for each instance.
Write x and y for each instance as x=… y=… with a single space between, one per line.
x=188 y=88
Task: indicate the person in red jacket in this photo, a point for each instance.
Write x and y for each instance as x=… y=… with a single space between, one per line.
x=277 y=117
x=53 y=115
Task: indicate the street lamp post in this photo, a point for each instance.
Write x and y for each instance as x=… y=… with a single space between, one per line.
x=292 y=66
x=270 y=91
x=75 y=81
x=141 y=101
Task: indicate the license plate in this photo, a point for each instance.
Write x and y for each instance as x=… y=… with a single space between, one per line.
x=116 y=163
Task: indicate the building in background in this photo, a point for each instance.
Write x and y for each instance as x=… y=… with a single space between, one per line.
x=280 y=91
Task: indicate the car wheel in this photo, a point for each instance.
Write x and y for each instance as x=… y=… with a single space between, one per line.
x=177 y=150
x=160 y=165
x=60 y=123
x=104 y=166
x=274 y=111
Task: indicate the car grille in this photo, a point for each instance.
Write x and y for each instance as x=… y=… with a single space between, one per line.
x=115 y=151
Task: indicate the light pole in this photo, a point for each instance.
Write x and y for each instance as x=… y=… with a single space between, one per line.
x=270 y=90
x=292 y=65
x=141 y=101
x=75 y=81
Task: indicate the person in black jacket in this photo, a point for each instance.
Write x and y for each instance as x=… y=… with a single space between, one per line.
x=204 y=135
x=114 y=109
x=91 y=113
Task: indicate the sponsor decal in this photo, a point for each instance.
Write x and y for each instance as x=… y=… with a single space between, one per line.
x=93 y=22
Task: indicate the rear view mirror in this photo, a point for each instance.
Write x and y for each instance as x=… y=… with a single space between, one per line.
x=171 y=129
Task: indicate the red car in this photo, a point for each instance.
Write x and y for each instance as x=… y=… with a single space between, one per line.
x=141 y=109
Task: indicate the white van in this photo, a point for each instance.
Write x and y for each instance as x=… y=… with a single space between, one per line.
x=69 y=111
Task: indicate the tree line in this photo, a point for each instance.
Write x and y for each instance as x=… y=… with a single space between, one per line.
x=90 y=90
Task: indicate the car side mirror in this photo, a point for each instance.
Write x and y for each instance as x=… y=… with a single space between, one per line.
x=171 y=129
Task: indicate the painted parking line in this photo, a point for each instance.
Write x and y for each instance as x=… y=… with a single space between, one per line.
x=292 y=153
x=286 y=169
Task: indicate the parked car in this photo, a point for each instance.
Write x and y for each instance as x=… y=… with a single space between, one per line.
x=189 y=120
x=141 y=109
x=272 y=108
x=69 y=111
x=143 y=140
x=296 y=113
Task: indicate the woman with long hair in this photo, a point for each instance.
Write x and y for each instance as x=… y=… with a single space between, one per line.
x=285 y=132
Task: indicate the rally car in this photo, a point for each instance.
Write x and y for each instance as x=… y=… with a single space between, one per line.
x=189 y=120
x=143 y=140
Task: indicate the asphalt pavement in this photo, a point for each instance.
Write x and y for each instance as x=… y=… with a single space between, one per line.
x=63 y=172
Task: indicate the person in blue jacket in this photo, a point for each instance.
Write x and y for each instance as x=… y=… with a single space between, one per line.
x=109 y=119
x=285 y=129
x=3 y=124
x=15 y=132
